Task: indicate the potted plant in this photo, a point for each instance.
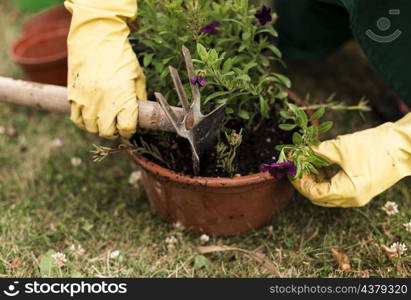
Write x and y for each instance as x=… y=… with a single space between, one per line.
x=265 y=138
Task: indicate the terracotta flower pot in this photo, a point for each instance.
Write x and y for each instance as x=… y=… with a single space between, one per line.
x=55 y=14
x=42 y=53
x=215 y=206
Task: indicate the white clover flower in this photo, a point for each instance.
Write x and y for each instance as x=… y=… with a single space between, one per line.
x=59 y=259
x=56 y=143
x=171 y=240
x=114 y=254
x=398 y=248
x=178 y=225
x=407 y=226
x=76 y=161
x=204 y=238
x=77 y=250
x=135 y=178
x=2 y=130
x=391 y=208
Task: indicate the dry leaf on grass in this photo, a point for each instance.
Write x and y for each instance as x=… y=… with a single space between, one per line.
x=390 y=253
x=15 y=263
x=257 y=256
x=342 y=260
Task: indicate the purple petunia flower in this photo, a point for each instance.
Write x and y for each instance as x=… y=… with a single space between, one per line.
x=264 y=15
x=211 y=28
x=279 y=170
x=199 y=80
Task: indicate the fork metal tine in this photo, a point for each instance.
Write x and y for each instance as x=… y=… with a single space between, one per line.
x=179 y=88
x=169 y=112
x=195 y=91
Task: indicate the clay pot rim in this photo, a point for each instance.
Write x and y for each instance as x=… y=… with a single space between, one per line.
x=53 y=14
x=30 y=40
x=216 y=182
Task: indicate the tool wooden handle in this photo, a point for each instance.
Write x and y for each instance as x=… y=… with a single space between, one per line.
x=54 y=98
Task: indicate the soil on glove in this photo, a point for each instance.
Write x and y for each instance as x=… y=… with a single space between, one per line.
x=258 y=147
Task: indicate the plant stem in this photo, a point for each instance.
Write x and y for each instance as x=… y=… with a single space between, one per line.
x=113 y=150
x=338 y=107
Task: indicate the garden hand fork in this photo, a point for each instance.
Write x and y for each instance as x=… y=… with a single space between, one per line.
x=198 y=129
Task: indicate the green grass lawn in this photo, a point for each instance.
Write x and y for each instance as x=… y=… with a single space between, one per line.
x=47 y=204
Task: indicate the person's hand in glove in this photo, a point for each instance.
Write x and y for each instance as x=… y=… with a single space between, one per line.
x=371 y=161
x=105 y=79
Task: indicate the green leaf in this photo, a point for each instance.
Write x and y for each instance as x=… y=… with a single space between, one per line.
x=202 y=52
x=244 y=77
x=294 y=109
x=249 y=66
x=264 y=107
x=265 y=61
x=284 y=80
x=47 y=264
x=302 y=118
x=299 y=168
x=313 y=131
x=246 y=35
x=281 y=147
x=315 y=143
x=283 y=157
x=318 y=114
x=213 y=56
x=242 y=47
x=287 y=127
x=319 y=161
x=228 y=64
x=269 y=30
x=221 y=101
x=215 y=95
x=229 y=111
x=87 y=227
x=326 y=126
x=311 y=168
x=297 y=138
x=200 y=261
x=244 y=115
x=164 y=73
x=148 y=58
x=165 y=61
x=267 y=79
x=281 y=95
x=275 y=50
x=286 y=115
x=230 y=73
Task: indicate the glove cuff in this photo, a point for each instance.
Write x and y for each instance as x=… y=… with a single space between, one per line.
x=125 y=9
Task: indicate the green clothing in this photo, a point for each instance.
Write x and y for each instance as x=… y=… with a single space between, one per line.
x=311 y=29
x=34 y=6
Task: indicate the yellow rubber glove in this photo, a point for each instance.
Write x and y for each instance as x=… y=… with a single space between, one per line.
x=371 y=161
x=105 y=79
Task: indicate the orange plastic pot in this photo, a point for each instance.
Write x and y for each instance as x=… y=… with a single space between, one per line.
x=42 y=53
x=215 y=206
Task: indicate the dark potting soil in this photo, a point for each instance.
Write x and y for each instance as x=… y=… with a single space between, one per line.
x=258 y=147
